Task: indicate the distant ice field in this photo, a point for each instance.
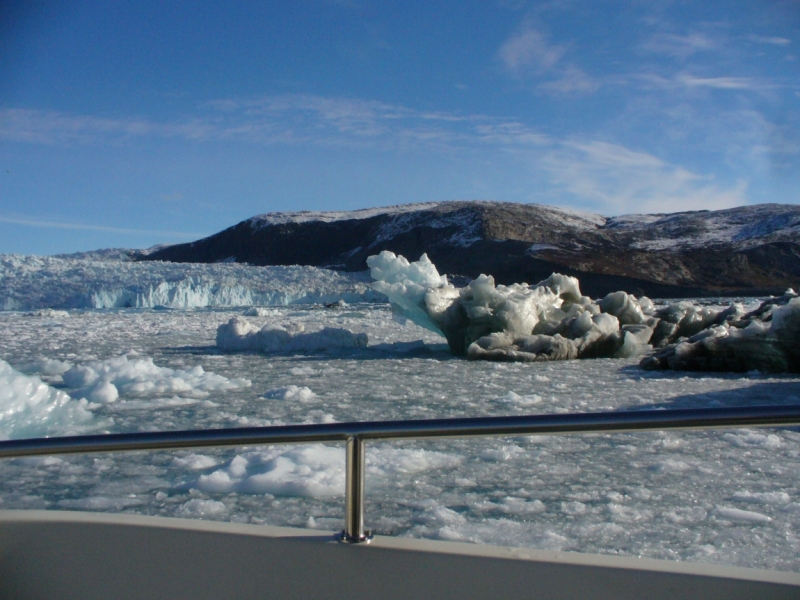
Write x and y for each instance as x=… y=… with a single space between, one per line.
x=723 y=496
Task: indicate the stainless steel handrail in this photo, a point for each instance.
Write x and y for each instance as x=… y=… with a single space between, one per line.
x=355 y=435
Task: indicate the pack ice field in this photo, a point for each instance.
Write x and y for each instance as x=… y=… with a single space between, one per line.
x=724 y=496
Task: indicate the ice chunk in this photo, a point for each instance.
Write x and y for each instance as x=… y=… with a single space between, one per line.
x=195 y=462
x=313 y=470
x=565 y=287
x=239 y=335
x=197 y=508
x=104 y=381
x=100 y=503
x=292 y=392
x=624 y=307
x=736 y=514
x=48 y=367
x=31 y=408
x=762 y=497
x=407 y=285
x=553 y=321
x=258 y=311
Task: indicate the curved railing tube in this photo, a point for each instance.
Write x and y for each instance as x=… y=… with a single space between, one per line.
x=356 y=434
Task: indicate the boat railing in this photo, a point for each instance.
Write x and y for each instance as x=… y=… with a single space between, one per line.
x=355 y=435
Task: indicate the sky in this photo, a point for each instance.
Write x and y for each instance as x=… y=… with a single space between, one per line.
x=135 y=123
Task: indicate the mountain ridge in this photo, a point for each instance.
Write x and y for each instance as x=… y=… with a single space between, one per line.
x=749 y=250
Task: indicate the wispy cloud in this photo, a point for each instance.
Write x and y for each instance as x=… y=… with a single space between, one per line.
x=680 y=46
x=720 y=83
x=51 y=127
x=775 y=41
x=571 y=81
x=605 y=176
x=529 y=49
x=278 y=120
x=32 y=222
x=614 y=179
x=528 y=53
x=685 y=80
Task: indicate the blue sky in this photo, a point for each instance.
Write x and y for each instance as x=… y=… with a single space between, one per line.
x=132 y=123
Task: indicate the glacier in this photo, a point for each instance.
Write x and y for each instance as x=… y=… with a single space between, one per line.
x=30 y=283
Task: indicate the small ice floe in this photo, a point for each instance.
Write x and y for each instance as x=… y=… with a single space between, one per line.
x=49 y=368
x=313 y=470
x=762 y=497
x=48 y=313
x=736 y=514
x=195 y=462
x=197 y=508
x=292 y=392
x=31 y=408
x=103 y=381
x=239 y=335
x=521 y=401
x=335 y=305
x=97 y=503
x=685 y=515
x=501 y=453
x=751 y=439
x=259 y=311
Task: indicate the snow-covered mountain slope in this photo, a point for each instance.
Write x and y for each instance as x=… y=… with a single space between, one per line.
x=748 y=250
x=34 y=282
x=743 y=227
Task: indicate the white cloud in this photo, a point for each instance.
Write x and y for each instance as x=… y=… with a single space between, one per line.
x=278 y=120
x=722 y=83
x=776 y=41
x=529 y=49
x=604 y=176
x=613 y=179
x=51 y=127
x=32 y=222
x=687 y=80
x=529 y=53
x=571 y=81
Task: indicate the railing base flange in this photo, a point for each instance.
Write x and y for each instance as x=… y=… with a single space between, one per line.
x=349 y=539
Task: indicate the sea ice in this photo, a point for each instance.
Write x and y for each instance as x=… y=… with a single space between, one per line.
x=648 y=494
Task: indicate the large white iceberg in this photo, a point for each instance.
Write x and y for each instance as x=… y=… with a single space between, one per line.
x=552 y=320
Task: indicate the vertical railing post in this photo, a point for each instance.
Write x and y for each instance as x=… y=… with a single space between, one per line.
x=354 y=493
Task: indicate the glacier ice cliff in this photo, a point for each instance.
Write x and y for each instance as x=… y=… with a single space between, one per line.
x=38 y=282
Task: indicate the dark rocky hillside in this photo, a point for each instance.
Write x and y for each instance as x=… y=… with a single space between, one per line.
x=752 y=250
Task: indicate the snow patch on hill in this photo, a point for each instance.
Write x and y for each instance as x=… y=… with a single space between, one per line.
x=307 y=216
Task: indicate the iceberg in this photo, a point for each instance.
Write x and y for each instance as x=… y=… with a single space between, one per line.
x=552 y=320
x=238 y=335
x=767 y=339
x=31 y=408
